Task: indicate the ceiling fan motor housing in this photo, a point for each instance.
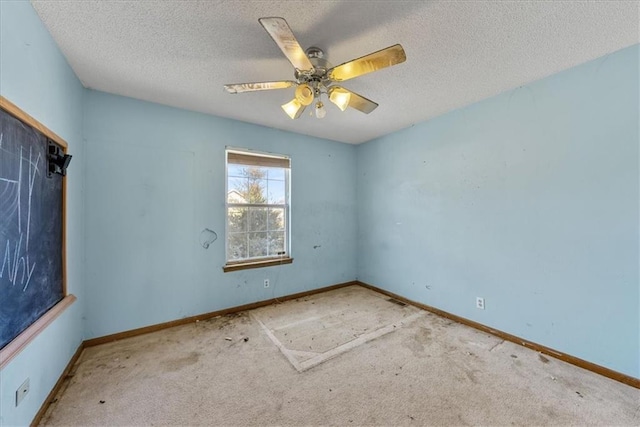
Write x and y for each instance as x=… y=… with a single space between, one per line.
x=320 y=66
x=314 y=52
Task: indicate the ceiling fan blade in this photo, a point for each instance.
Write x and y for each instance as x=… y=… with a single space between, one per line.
x=281 y=33
x=387 y=57
x=252 y=87
x=361 y=103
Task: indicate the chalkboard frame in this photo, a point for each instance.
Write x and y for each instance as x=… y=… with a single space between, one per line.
x=25 y=337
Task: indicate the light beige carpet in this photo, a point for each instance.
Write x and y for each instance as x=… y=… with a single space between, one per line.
x=317 y=329
x=425 y=371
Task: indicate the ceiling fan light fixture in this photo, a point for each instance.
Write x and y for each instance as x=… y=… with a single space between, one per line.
x=293 y=108
x=304 y=94
x=340 y=97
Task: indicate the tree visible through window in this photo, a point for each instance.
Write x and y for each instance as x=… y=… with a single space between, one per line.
x=257 y=207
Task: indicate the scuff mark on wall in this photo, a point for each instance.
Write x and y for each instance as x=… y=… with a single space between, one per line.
x=207 y=237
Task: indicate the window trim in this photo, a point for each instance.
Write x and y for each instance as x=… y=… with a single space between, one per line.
x=255 y=263
x=265 y=261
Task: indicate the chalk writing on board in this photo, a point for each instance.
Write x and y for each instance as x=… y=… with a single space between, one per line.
x=16 y=265
x=31 y=228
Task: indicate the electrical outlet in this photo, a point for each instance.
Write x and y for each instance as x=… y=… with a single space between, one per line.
x=266 y=283
x=480 y=303
x=22 y=391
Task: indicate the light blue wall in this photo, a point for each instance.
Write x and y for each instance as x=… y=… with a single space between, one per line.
x=528 y=199
x=156 y=179
x=35 y=76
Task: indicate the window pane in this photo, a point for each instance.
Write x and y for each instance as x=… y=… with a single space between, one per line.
x=236 y=190
x=276 y=192
x=247 y=184
x=276 y=242
x=275 y=173
x=256 y=191
x=238 y=184
x=237 y=246
x=276 y=219
x=258 y=219
x=236 y=170
x=237 y=218
x=257 y=245
x=256 y=186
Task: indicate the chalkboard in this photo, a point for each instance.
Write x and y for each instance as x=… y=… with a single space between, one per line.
x=31 y=228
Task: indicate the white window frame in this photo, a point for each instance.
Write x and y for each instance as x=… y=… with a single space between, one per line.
x=232 y=265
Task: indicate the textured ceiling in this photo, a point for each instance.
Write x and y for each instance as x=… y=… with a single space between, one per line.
x=180 y=53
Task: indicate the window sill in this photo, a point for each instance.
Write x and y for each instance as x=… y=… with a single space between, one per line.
x=256 y=264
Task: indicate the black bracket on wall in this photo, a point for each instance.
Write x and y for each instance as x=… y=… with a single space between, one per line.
x=58 y=160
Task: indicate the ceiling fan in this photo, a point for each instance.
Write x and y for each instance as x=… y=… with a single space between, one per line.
x=315 y=76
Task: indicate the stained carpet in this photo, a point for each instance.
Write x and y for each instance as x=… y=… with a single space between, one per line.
x=229 y=371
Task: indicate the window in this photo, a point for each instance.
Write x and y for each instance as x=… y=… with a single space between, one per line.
x=257 y=210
